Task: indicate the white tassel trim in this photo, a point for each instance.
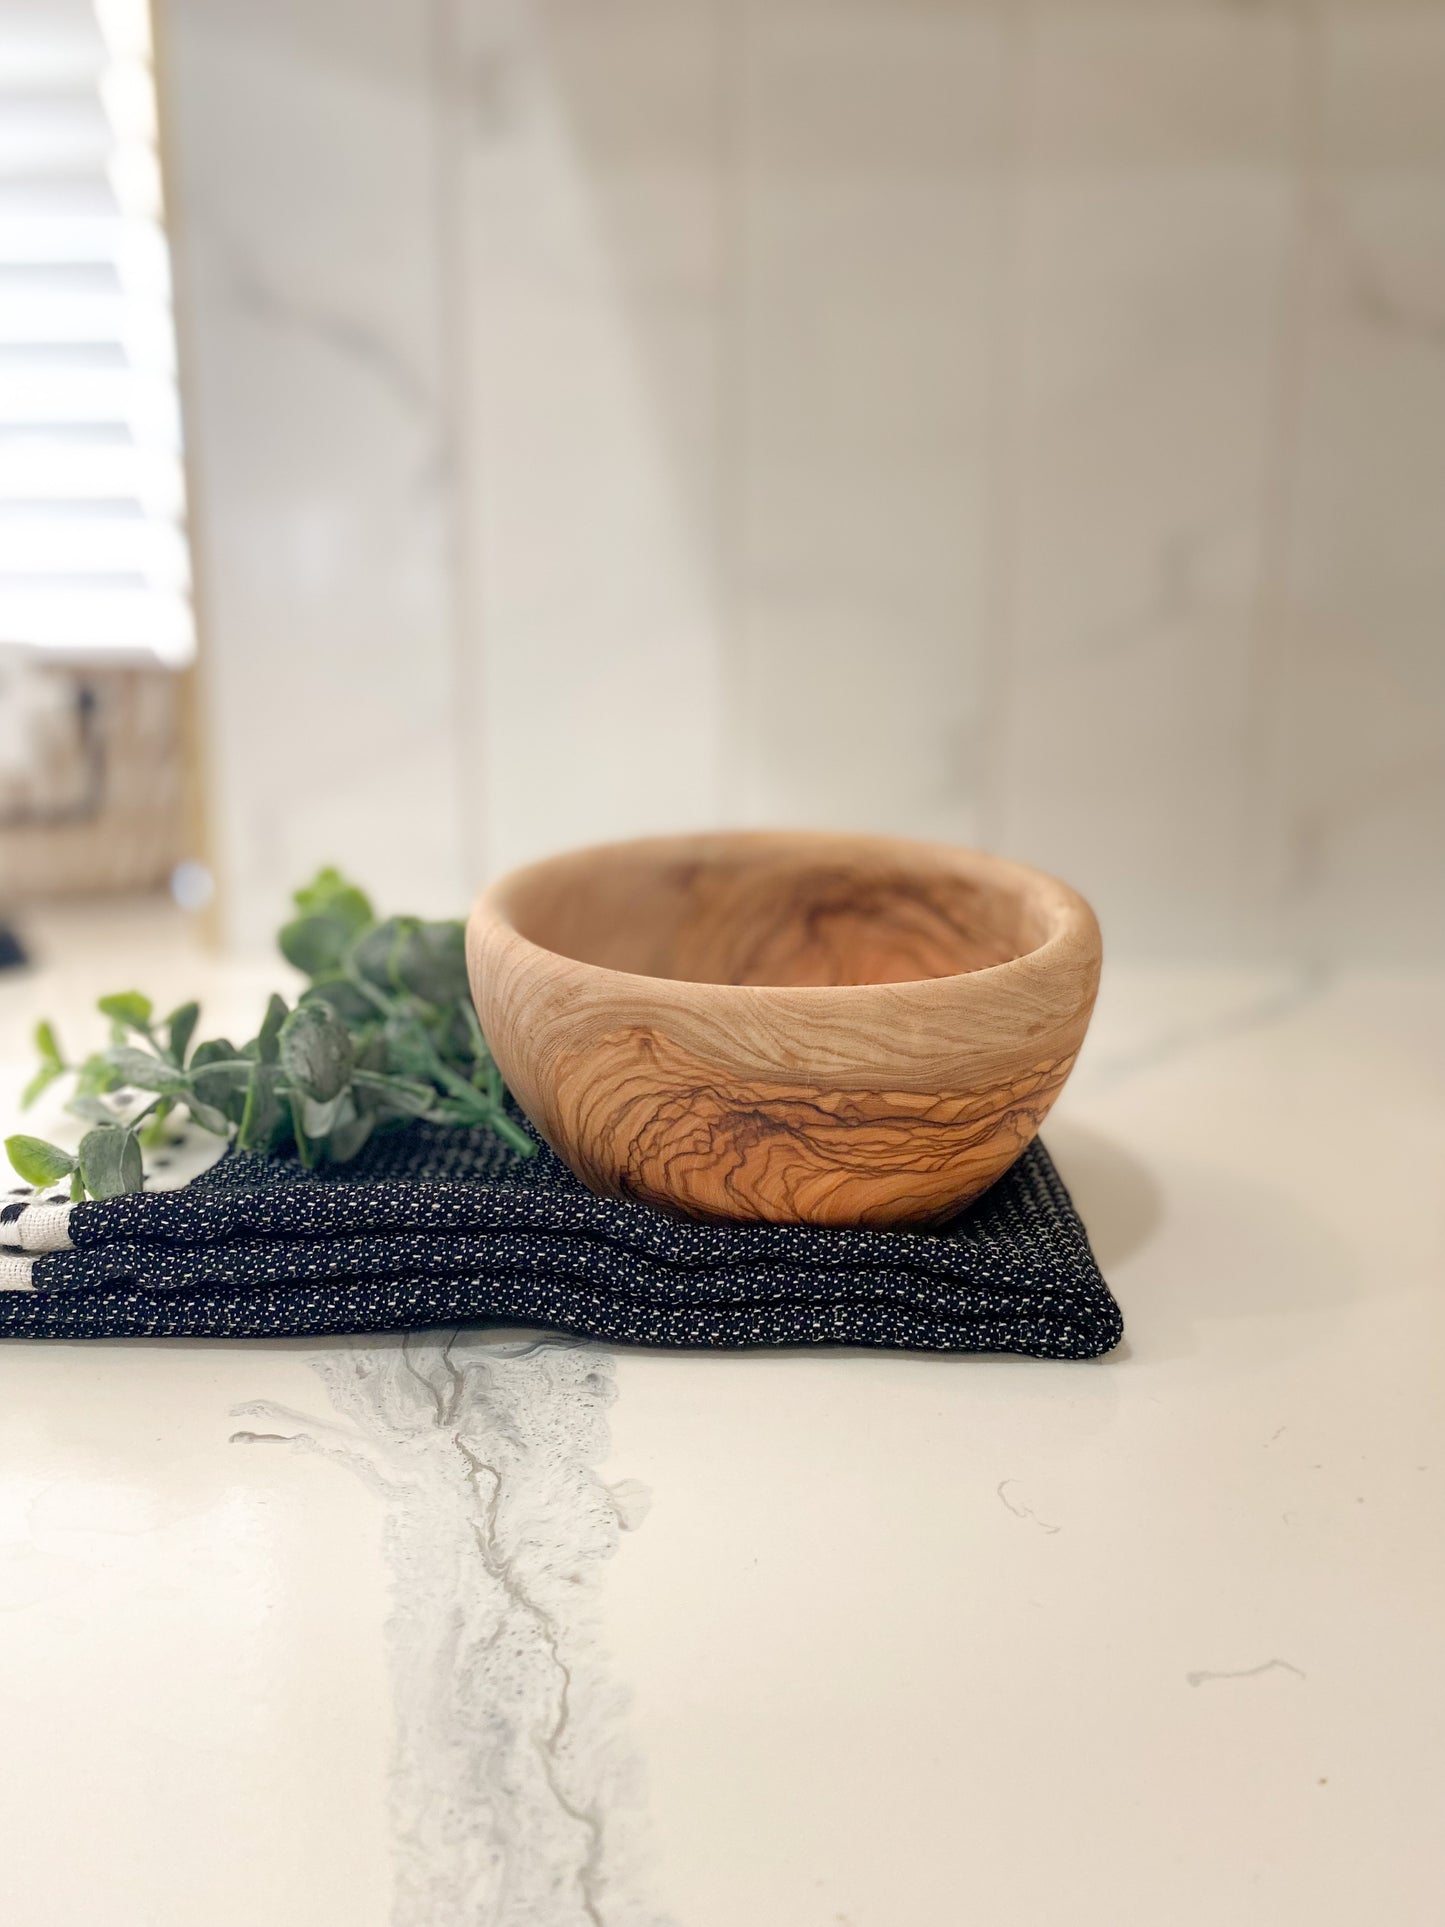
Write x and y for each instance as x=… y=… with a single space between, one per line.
x=15 y=1273
x=39 y=1227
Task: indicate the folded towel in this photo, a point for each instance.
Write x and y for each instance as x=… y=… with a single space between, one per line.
x=432 y=1226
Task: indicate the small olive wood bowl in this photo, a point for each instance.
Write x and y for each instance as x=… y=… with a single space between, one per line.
x=835 y=1030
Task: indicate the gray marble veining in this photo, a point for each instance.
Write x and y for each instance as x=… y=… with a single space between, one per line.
x=514 y=1791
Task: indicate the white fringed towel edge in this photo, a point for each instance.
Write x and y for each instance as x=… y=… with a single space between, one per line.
x=37 y=1227
x=16 y=1273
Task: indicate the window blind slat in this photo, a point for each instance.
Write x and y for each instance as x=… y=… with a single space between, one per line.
x=64 y=545
x=144 y=403
x=46 y=470
x=33 y=317
x=93 y=553
x=82 y=619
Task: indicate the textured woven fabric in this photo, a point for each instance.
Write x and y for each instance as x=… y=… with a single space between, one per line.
x=432 y=1226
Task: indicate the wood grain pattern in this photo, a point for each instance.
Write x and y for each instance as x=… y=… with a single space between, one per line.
x=785 y=1027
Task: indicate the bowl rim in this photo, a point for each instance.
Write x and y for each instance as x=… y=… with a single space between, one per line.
x=1075 y=929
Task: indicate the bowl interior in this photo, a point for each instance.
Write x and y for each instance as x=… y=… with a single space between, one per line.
x=778 y=910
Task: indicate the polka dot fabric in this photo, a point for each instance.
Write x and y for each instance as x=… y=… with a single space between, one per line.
x=433 y=1226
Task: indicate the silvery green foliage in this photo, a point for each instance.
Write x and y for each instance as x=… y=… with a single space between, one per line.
x=383 y=1032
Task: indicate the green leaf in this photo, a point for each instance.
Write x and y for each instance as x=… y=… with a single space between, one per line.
x=305 y=1149
x=351 y=907
x=143 y=1072
x=377 y=956
x=432 y=963
x=316 y=1052
x=266 y=1038
x=110 y=1161
x=209 y=1117
x=383 y=1032
x=127 y=1007
x=46 y=1046
x=41 y=1081
x=36 y=1161
x=318 y=1119
x=97 y=1075
x=352 y=1004
x=409 y=1051
x=315 y=945
x=347 y=1137
x=214 y=1050
x=328 y=894
x=263 y=1115
x=370 y=1049
x=180 y=1028
x=219 y=1081
x=90 y=1108
x=394 y=1094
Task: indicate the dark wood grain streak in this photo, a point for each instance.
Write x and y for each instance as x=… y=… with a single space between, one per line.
x=834 y=1030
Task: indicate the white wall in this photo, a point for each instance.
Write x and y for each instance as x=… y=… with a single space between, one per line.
x=1017 y=422
x=302 y=166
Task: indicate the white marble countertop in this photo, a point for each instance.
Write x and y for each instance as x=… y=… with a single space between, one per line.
x=473 y=1629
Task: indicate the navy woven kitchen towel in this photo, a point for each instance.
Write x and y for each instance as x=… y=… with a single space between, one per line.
x=432 y=1226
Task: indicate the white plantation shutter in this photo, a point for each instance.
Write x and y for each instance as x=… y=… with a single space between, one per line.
x=93 y=556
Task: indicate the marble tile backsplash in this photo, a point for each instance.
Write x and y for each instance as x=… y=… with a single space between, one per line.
x=1009 y=421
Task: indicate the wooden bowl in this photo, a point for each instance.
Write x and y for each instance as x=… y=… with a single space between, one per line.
x=785 y=1027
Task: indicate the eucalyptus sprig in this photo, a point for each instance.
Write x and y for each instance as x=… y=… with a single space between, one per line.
x=384 y=1032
